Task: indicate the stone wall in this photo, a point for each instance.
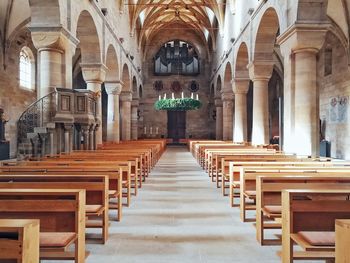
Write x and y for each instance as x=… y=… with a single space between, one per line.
x=199 y=123
x=13 y=98
x=334 y=84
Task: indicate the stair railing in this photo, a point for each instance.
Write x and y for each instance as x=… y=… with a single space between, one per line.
x=38 y=114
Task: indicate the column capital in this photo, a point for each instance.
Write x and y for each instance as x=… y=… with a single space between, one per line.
x=260 y=70
x=301 y=36
x=227 y=96
x=54 y=38
x=126 y=96
x=218 y=102
x=240 y=86
x=135 y=103
x=93 y=72
x=113 y=87
x=68 y=126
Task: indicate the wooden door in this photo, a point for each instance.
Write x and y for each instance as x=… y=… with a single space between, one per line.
x=176 y=125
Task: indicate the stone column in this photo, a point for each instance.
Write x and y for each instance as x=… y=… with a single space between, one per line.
x=91 y=137
x=94 y=75
x=134 y=119
x=85 y=131
x=125 y=110
x=52 y=142
x=227 y=115
x=300 y=46
x=113 y=90
x=219 y=119
x=67 y=137
x=240 y=88
x=260 y=73
x=54 y=50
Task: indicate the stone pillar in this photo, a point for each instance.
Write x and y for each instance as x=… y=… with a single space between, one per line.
x=134 y=119
x=227 y=115
x=67 y=137
x=52 y=142
x=219 y=119
x=125 y=110
x=55 y=49
x=300 y=46
x=240 y=88
x=260 y=73
x=50 y=64
x=94 y=75
x=85 y=131
x=113 y=90
x=91 y=138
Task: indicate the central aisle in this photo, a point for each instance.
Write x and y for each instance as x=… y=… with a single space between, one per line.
x=180 y=216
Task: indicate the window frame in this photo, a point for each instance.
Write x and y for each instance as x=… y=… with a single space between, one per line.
x=30 y=65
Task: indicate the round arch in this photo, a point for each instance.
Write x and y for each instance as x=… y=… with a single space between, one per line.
x=89 y=39
x=126 y=78
x=112 y=64
x=242 y=61
x=266 y=35
x=228 y=78
x=218 y=85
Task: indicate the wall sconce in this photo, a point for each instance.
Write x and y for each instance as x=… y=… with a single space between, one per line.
x=104 y=11
x=131 y=57
x=138 y=69
x=250 y=11
x=121 y=39
x=232 y=40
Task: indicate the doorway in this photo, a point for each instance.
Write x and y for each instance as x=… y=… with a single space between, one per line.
x=176 y=125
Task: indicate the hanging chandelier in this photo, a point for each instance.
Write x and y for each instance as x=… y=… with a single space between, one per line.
x=178 y=104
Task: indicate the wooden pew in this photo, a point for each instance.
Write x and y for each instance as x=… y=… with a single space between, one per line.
x=211 y=156
x=269 y=191
x=234 y=170
x=342 y=241
x=308 y=220
x=19 y=240
x=95 y=186
x=115 y=176
x=248 y=176
x=61 y=214
x=139 y=168
x=223 y=175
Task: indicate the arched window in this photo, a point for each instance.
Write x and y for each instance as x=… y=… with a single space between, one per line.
x=26 y=69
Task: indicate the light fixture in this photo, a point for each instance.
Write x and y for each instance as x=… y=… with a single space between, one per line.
x=104 y=11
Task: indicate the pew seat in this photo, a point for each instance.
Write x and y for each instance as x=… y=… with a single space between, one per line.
x=315 y=240
x=94 y=210
x=57 y=240
x=272 y=211
x=251 y=194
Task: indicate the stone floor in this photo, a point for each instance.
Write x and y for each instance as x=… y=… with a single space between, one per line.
x=180 y=216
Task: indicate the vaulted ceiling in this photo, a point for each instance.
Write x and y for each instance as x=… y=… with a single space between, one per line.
x=176 y=18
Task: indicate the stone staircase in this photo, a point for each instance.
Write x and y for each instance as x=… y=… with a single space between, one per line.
x=41 y=126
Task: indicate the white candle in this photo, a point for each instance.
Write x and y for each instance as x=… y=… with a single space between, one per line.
x=145 y=130
x=150 y=130
x=172 y=95
x=157 y=130
x=197 y=97
x=192 y=95
x=165 y=96
x=182 y=95
x=160 y=97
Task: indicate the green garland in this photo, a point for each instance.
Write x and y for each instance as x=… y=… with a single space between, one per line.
x=177 y=104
